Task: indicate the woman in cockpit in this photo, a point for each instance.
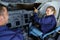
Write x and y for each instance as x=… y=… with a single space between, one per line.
x=48 y=22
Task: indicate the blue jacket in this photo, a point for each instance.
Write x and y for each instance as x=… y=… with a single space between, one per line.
x=6 y=34
x=47 y=23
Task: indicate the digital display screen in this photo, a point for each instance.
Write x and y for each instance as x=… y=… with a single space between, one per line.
x=26 y=21
x=17 y=23
x=26 y=16
x=9 y=25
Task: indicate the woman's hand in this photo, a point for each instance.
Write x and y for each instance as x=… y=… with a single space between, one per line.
x=35 y=10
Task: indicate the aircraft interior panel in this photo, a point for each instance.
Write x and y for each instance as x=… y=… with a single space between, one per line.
x=16 y=19
x=21 y=1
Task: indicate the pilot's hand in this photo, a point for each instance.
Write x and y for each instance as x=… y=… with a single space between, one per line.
x=35 y=10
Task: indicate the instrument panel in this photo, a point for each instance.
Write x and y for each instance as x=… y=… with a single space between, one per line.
x=19 y=18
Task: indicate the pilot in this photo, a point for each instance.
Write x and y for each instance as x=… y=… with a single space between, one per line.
x=48 y=22
x=5 y=32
